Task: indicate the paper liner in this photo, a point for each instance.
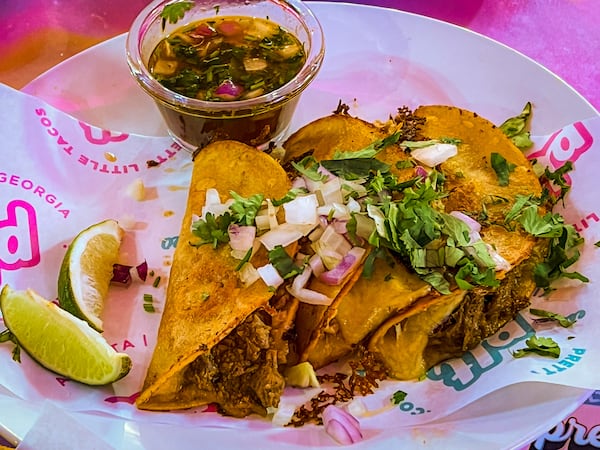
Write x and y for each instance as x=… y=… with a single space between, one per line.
x=59 y=175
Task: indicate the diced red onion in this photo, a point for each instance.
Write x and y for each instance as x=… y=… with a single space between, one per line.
x=298 y=183
x=228 y=90
x=331 y=247
x=421 y=172
x=124 y=274
x=340 y=226
x=341 y=425
x=121 y=274
x=435 y=154
x=229 y=28
x=469 y=221
x=345 y=268
x=241 y=237
x=203 y=30
x=269 y=275
x=323 y=171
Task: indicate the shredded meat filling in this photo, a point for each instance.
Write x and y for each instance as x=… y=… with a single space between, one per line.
x=241 y=372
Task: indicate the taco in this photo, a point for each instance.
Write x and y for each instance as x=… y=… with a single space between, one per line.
x=438 y=329
x=319 y=336
x=397 y=311
x=219 y=340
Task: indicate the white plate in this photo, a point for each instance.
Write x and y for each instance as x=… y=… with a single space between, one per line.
x=377 y=60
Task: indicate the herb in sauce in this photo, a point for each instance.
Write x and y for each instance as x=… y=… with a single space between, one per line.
x=227 y=58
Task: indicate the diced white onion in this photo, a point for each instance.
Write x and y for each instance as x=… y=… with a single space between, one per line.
x=499 y=260
x=312 y=297
x=316 y=264
x=331 y=191
x=284 y=235
x=377 y=215
x=434 y=154
x=353 y=205
x=248 y=274
x=302 y=210
x=331 y=247
x=270 y=276
x=340 y=211
x=272 y=214
x=241 y=238
x=282 y=415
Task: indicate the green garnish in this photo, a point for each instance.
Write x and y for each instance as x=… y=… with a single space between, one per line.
x=558 y=179
x=430 y=142
x=370 y=150
x=204 y=296
x=175 y=11
x=244 y=260
x=291 y=195
x=156 y=282
x=398 y=397
x=515 y=128
x=564 y=240
x=245 y=209
x=563 y=321
x=212 y=230
x=502 y=168
x=148 y=298
x=308 y=167
x=283 y=263
x=537 y=345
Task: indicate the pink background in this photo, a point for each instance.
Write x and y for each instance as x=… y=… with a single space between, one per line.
x=562 y=35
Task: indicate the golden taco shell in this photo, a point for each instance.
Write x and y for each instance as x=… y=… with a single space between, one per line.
x=208 y=313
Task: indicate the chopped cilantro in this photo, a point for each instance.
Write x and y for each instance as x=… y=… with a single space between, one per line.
x=245 y=209
x=398 y=397
x=244 y=260
x=291 y=195
x=283 y=263
x=370 y=150
x=557 y=178
x=537 y=345
x=175 y=11
x=7 y=336
x=211 y=229
x=309 y=167
x=515 y=128
x=562 y=320
x=502 y=168
x=355 y=168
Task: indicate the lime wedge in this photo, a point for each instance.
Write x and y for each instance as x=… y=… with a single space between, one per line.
x=60 y=341
x=87 y=269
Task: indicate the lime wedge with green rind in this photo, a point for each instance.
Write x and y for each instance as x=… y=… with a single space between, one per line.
x=60 y=341
x=87 y=269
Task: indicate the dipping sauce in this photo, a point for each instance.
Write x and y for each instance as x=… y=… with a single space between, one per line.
x=236 y=71
x=227 y=58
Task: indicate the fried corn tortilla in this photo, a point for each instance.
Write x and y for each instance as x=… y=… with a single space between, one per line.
x=322 y=138
x=437 y=329
x=216 y=341
x=409 y=327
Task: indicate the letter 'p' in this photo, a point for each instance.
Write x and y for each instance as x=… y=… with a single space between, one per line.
x=19 y=242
